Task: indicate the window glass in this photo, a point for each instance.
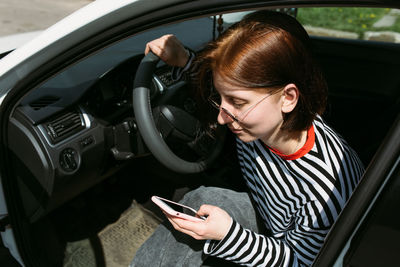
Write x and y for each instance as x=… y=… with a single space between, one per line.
x=375 y=24
x=84 y=73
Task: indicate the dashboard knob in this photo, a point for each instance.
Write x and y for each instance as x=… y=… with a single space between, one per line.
x=69 y=160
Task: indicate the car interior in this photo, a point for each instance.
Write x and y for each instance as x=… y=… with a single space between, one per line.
x=80 y=164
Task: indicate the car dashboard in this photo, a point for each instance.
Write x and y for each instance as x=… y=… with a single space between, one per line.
x=66 y=140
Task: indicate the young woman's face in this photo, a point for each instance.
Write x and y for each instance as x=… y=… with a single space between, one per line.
x=259 y=114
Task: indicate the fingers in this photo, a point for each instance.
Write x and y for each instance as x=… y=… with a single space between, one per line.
x=186 y=227
x=153 y=47
x=215 y=227
x=169 y=49
x=158 y=45
x=205 y=210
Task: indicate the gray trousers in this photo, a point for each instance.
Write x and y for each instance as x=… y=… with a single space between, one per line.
x=168 y=247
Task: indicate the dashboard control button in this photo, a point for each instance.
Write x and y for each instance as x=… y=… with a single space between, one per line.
x=86 y=141
x=69 y=159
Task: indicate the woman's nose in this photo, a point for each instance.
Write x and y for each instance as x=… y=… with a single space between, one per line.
x=223 y=118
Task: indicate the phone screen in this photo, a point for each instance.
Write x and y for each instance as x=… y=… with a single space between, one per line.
x=175 y=209
x=181 y=209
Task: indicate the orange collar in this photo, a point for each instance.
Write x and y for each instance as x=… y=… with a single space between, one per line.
x=302 y=151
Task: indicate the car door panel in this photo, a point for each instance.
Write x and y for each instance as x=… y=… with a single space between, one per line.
x=364 y=90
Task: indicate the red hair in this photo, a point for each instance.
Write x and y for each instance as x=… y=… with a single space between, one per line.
x=267 y=50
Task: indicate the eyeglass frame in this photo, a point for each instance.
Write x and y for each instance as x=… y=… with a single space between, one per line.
x=230 y=115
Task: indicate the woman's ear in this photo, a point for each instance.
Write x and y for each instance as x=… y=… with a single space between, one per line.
x=290 y=97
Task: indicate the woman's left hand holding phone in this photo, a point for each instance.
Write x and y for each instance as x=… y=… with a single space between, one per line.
x=215 y=227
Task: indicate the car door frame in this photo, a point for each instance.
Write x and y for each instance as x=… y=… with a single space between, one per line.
x=380 y=170
x=77 y=44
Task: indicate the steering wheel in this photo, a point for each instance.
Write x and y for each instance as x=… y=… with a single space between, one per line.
x=147 y=127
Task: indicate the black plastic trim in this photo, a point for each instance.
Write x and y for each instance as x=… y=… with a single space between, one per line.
x=375 y=175
x=4 y=222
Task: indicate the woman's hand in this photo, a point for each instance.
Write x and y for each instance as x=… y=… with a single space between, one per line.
x=215 y=227
x=169 y=49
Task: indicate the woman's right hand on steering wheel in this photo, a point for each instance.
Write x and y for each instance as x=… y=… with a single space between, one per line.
x=170 y=50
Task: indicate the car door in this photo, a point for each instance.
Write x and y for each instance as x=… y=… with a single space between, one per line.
x=68 y=41
x=368 y=230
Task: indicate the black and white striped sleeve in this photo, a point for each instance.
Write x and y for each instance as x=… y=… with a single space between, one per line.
x=248 y=248
x=297 y=247
x=298 y=199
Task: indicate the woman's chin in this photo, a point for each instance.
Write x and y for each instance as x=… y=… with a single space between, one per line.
x=245 y=137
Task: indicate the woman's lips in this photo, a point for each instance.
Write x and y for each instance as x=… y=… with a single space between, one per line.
x=235 y=131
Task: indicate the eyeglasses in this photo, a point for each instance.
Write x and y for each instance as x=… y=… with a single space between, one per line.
x=213 y=99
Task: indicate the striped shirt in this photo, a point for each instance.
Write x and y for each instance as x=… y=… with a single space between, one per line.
x=298 y=197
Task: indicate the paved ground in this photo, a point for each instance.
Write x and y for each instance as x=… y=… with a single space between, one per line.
x=18 y=16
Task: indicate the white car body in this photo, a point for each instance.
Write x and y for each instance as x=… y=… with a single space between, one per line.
x=14 y=41
x=92 y=18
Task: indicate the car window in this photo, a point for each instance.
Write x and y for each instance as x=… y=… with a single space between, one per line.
x=107 y=58
x=66 y=87
x=376 y=243
x=373 y=24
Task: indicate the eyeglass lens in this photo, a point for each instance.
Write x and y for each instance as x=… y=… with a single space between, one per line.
x=215 y=101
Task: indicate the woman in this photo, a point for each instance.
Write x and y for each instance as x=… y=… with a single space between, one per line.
x=299 y=172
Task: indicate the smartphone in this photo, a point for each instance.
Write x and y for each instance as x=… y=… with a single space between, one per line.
x=177 y=209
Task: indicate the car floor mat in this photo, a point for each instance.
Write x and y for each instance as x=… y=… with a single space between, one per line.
x=116 y=244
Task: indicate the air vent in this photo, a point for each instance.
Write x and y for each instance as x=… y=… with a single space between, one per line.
x=64 y=126
x=43 y=102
